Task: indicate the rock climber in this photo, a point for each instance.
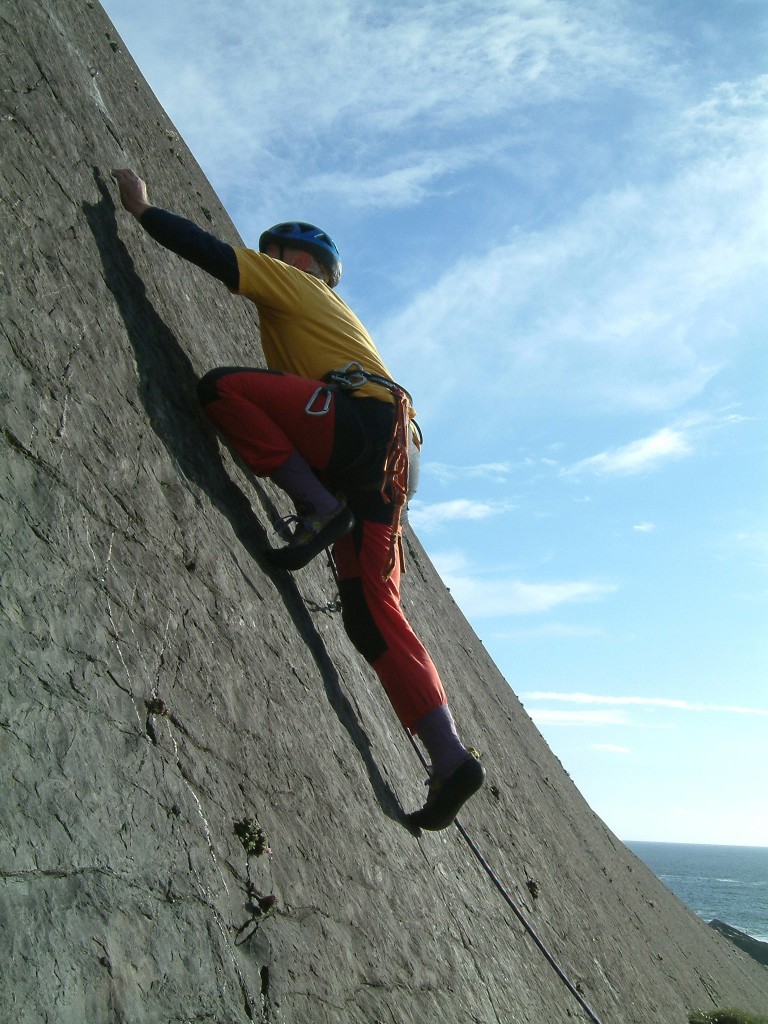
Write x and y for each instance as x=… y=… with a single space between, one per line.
x=340 y=451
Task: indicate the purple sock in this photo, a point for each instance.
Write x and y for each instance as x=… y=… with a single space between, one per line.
x=297 y=478
x=437 y=731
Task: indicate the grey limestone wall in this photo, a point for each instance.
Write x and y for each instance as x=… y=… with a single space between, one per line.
x=165 y=697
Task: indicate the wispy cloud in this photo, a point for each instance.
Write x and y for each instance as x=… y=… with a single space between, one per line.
x=607 y=307
x=426 y=517
x=399 y=180
x=496 y=596
x=389 y=105
x=241 y=83
x=637 y=457
x=548 y=716
x=497 y=472
x=669 y=703
x=404 y=185
x=668 y=444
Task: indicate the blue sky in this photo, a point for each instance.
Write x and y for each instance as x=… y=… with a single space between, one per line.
x=554 y=222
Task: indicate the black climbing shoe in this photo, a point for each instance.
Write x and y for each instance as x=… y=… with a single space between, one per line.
x=310 y=538
x=447 y=796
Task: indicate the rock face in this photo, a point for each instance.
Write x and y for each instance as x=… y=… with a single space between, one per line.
x=165 y=696
x=754 y=947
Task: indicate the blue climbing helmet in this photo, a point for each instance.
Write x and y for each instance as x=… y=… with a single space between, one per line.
x=296 y=235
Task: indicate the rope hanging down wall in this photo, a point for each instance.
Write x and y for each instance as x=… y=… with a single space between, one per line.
x=515 y=909
x=500 y=885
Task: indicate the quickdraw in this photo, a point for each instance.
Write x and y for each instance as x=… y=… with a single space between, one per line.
x=394 y=487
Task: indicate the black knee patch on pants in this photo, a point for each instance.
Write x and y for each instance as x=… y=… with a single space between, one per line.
x=206 y=387
x=207 y=390
x=358 y=621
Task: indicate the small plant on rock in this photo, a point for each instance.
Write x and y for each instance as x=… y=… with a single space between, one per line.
x=724 y=1017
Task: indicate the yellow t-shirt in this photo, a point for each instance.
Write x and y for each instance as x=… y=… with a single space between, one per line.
x=306 y=328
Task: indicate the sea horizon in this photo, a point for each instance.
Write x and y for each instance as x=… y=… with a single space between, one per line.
x=717 y=881
x=688 y=842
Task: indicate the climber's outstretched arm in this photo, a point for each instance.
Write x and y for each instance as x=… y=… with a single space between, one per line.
x=176 y=233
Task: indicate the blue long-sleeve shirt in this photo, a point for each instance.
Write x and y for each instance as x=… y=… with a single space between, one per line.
x=189 y=241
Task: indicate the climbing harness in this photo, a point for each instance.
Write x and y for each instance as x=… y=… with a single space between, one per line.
x=394 y=488
x=514 y=907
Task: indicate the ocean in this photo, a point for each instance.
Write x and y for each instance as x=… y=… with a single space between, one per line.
x=729 y=883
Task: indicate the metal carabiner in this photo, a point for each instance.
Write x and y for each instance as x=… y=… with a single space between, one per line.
x=352 y=376
x=315 y=395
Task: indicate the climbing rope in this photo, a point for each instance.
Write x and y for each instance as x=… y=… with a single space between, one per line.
x=502 y=889
x=515 y=909
x=395 y=486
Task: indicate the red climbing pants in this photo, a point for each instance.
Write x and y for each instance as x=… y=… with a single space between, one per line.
x=376 y=625
x=265 y=416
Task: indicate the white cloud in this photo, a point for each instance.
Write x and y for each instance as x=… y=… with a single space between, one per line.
x=546 y=716
x=364 y=103
x=722 y=122
x=497 y=472
x=644 y=527
x=426 y=517
x=291 y=72
x=670 y=703
x=637 y=457
x=399 y=180
x=632 y=302
x=649 y=453
x=484 y=596
x=400 y=186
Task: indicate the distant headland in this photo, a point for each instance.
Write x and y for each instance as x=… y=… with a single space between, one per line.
x=754 y=947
